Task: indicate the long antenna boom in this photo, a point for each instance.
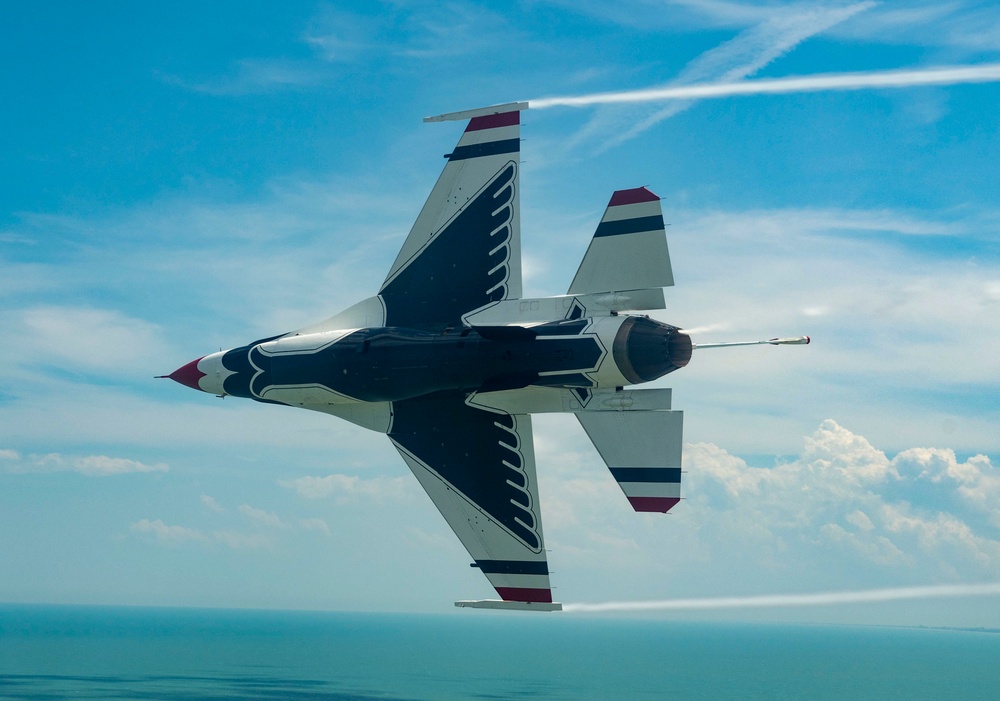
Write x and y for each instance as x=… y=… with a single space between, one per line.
x=793 y=341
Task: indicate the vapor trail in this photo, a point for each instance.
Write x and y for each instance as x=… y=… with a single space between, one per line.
x=774 y=600
x=864 y=80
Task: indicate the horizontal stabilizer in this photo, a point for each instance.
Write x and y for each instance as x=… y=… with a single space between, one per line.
x=535 y=309
x=509 y=605
x=643 y=451
x=629 y=248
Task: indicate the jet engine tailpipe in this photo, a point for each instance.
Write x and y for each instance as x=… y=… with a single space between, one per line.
x=645 y=349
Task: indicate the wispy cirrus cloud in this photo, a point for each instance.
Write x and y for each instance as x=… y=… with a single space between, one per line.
x=772 y=33
x=962 y=28
x=84 y=337
x=250 y=76
x=339 y=43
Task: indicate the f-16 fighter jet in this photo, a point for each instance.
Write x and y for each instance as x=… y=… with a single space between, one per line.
x=450 y=361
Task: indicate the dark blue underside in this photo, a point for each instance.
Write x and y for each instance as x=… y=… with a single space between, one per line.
x=468 y=449
x=452 y=274
x=391 y=364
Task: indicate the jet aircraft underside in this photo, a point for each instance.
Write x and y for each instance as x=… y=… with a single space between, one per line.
x=450 y=361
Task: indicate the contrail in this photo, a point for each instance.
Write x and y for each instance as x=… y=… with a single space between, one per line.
x=865 y=80
x=775 y=600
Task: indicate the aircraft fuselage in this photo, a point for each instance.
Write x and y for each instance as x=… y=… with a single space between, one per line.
x=395 y=363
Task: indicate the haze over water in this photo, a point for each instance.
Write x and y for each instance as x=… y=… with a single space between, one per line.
x=49 y=652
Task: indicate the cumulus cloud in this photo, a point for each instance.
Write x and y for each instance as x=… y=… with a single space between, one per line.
x=842 y=511
x=90 y=465
x=842 y=492
x=347 y=487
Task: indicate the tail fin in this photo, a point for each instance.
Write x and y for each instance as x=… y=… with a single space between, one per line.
x=643 y=451
x=629 y=248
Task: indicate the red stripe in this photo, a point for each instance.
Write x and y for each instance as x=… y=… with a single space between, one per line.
x=493 y=121
x=660 y=504
x=639 y=194
x=538 y=596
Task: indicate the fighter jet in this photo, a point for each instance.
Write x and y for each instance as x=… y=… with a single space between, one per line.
x=450 y=361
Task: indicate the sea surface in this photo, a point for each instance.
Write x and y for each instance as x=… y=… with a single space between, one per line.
x=60 y=652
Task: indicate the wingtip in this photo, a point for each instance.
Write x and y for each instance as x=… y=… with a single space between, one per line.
x=478 y=112
x=509 y=605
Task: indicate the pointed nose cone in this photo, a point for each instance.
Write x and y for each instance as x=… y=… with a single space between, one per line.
x=188 y=375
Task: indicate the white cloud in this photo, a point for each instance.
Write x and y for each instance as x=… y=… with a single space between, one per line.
x=172 y=535
x=964 y=27
x=211 y=504
x=90 y=465
x=842 y=511
x=346 y=487
x=263 y=517
x=960 y=28
x=315 y=524
x=87 y=338
x=177 y=535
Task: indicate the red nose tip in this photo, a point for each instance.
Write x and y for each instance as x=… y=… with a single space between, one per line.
x=188 y=375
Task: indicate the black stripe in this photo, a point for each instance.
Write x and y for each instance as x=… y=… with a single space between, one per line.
x=646 y=474
x=629 y=226
x=513 y=566
x=490 y=148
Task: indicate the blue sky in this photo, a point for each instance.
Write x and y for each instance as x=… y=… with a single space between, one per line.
x=182 y=177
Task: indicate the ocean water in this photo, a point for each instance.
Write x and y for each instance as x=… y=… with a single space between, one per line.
x=50 y=652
